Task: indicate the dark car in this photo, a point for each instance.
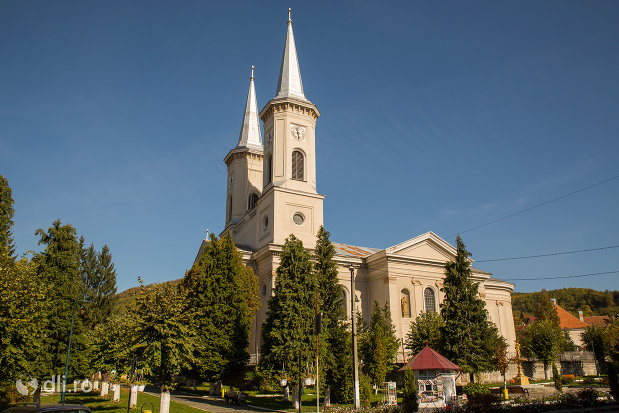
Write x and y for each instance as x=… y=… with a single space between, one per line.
x=56 y=408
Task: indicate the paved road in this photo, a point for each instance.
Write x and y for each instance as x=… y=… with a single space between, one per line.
x=208 y=403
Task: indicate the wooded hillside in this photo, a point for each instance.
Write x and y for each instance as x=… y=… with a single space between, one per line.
x=591 y=302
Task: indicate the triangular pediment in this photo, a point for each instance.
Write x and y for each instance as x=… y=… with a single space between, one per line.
x=428 y=246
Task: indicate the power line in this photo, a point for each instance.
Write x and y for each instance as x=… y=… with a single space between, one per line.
x=549 y=255
x=566 y=276
x=540 y=205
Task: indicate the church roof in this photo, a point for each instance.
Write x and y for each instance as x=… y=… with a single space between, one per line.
x=345 y=250
x=428 y=359
x=289 y=83
x=250 y=127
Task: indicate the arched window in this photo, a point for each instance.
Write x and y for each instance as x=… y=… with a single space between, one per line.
x=269 y=169
x=229 y=208
x=405 y=302
x=298 y=165
x=251 y=201
x=429 y=300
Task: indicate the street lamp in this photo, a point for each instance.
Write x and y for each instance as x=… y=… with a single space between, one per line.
x=355 y=377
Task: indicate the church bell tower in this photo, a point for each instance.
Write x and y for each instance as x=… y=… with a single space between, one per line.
x=290 y=202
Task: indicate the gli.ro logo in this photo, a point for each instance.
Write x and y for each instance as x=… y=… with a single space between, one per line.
x=24 y=389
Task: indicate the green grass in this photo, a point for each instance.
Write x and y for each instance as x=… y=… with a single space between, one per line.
x=105 y=404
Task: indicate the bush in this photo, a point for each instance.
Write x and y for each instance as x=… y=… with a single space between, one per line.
x=365 y=389
x=588 y=397
x=589 y=381
x=568 y=378
x=557 y=379
x=475 y=389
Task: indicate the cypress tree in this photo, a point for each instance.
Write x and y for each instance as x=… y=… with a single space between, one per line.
x=469 y=339
x=7 y=244
x=410 y=403
x=378 y=344
x=334 y=344
x=287 y=333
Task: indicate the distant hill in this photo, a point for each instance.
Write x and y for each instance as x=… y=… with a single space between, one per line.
x=125 y=301
x=590 y=302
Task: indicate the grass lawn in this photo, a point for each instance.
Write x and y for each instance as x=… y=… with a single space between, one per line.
x=105 y=404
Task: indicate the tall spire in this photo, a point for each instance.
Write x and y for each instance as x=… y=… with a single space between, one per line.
x=289 y=84
x=250 y=128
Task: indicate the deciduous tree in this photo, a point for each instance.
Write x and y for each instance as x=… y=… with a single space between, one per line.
x=425 y=328
x=542 y=340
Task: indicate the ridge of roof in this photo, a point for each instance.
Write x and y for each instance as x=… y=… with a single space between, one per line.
x=429 y=359
x=567 y=320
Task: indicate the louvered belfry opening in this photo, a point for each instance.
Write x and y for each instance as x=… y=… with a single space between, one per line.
x=297 y=165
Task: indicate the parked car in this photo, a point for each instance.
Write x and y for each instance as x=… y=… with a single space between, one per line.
x=42 y=408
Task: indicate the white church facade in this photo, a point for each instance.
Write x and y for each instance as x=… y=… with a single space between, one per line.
x=272 y=193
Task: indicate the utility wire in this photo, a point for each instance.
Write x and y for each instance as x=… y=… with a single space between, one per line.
x=540 y=205
x=566 y=276
x=549 y=255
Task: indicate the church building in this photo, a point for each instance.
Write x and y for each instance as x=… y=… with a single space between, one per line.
x=272 y=193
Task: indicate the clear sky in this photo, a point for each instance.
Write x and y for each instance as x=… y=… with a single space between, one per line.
x=115 y=117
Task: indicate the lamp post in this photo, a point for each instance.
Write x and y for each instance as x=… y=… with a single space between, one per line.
x=355 y=377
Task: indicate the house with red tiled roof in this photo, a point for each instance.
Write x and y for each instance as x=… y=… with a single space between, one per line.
x=570 y=324
x=596 y=320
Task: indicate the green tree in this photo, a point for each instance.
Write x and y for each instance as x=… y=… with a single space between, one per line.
x=556 y=377
x=593 y=340
x=166 y=340
x=611 y=342
x=99 y=283
x=542 y=340
x=502 y=361
x=469 y=339
x=224 y=295
x=58 y=268
x=378 y=344
x=425 y=329
x=287 y=335
x=7 y=244
x=409 y=398
x=545 y=309
x=23 y=304
x=113 y=343
x=334 y=342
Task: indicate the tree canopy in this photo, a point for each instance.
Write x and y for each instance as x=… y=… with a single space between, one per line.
x=425 y=328
x=469 y=339
x=378 y=344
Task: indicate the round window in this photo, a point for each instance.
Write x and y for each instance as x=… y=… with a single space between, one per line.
x=298 y=218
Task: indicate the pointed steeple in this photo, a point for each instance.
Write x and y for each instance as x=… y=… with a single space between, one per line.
x=289 y=83
x=250 y=128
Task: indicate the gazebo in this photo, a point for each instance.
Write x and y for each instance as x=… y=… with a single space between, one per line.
x=436 y=375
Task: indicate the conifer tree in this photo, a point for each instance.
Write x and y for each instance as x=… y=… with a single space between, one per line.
x=334 y=345
x=378 y=344
x=99 y=282
x=58 y=268
x=224 y=294
x=7 y=244
x=287 y=334
x=425 y=329
x=469 y=339
x=410 y=403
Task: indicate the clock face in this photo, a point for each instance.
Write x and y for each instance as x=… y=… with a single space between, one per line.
x=297 y=132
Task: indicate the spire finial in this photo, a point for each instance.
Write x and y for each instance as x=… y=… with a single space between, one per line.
x=252 y=72
x=289 y=10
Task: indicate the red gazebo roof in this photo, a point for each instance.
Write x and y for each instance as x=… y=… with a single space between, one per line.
x=428 y=359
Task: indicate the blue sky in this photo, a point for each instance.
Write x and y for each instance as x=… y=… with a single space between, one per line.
x=115 y=117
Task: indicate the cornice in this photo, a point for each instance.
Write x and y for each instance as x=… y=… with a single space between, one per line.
x=289 y=105
x=291 y=191
x=241 y=152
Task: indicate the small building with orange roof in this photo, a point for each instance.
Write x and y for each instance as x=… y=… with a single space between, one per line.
x=570 y=324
